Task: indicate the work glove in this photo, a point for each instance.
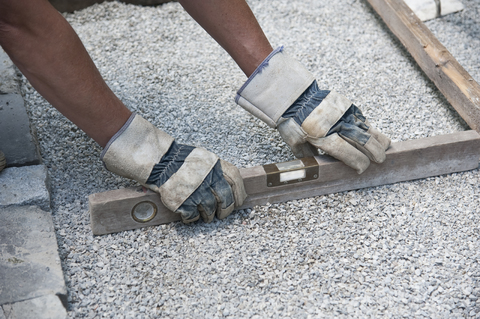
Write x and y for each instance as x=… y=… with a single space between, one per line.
x=191 y=181
x=284 y=94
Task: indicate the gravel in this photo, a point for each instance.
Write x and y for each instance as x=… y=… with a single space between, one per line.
x=406 y=250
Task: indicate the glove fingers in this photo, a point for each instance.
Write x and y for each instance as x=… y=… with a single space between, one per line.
x=189 y=213
x=359 y=134
x=372 y=149
x=208 y=206
x=304 y=150
x=218 y=195
x=294 y=136
x=224 y=196
x=380 y=137
x=235 y=180
x=337 y=147
x=201 y=203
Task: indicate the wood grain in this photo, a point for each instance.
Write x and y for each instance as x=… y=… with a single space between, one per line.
x=111 y=211
x=458 y=87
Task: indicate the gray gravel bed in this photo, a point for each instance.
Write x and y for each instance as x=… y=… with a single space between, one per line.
x=404 y=250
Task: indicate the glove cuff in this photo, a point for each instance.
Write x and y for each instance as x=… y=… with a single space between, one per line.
x=135 y=149
x=274 y=86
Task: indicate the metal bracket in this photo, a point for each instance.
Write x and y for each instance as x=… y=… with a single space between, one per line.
x=304 y=169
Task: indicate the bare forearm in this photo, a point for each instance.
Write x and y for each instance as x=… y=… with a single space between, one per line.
x=232 y=24
x=49 y=53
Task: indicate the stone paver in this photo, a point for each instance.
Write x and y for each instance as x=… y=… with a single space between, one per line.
x=29 y=261
x=16 y=140
x=26 y=185
x=31 y=278
x=45 y=307
x=8 y=75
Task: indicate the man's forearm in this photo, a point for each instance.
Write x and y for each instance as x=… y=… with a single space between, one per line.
x=49 y=53
x=232 y=24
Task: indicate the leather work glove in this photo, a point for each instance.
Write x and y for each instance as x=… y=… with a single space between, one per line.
x=284 y=94
x=191 y=181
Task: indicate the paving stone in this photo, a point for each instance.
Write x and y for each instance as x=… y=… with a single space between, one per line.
x=16 y=140
x=2 y=315
x=29 y=261
x=427 y=9
x=9 y=75
x=45 y=307
x=26 y=185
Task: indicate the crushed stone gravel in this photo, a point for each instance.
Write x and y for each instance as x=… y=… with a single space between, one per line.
x=406 y=250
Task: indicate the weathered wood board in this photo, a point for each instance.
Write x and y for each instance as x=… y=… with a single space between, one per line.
x=112 y=211
x=458 y=87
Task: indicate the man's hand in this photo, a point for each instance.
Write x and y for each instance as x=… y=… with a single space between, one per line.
x=285 y=95
x=330 y=122
x=191 y=181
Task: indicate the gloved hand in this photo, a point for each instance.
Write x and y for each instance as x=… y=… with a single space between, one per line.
x=191 y=181
x=285 y=95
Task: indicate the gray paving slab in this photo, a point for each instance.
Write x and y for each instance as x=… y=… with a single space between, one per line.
x=16 y=139
x=9 y=75
x=28 y=185
x=29 y=261
x=45 y=307
x=2 y=315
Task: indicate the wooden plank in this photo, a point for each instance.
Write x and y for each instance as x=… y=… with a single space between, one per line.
x=458 y=87
x=111 y=211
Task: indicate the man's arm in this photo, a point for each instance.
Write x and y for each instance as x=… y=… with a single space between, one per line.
x=192 y=181
x=232 y=24
x=277 y=90
x=49 y=53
